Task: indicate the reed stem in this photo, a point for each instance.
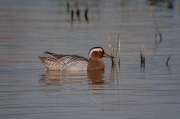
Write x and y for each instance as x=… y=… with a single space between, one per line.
x=119 y=47
x=111 y=49
x=142 y=56
x=114 y=52
x=154 y=20
x=168 y=60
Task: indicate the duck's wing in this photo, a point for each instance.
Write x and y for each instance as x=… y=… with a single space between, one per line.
x=53 y=55
x=66 y=59
x=75 y=62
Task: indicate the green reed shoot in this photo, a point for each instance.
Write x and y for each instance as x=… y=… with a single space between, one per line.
x=114 y=52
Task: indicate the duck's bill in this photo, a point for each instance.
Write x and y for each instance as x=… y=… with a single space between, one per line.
x=108 y=56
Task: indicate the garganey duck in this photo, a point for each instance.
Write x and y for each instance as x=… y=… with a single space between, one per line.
x=75 y=62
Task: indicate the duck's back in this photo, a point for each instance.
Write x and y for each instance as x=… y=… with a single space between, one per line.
x=64 y=62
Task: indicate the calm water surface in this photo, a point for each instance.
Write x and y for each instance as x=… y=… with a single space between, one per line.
x=29 y=27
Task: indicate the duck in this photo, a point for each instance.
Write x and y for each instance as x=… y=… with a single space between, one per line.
x=75 y=62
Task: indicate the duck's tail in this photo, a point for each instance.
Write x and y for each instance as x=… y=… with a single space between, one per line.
x=44 y=61
x=50 y=63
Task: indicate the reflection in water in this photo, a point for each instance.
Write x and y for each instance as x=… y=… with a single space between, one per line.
x=143 y=73
x=72 y=17
x=86 y=14
x=70 y=6
x=97 y=80
x=115 y=76
x=169 y=68
x=95 y=77
x=156 y=46
x=67 y=4
x=78 y=12
x=61 y=77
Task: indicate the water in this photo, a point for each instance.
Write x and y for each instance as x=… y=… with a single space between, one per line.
x=28 y=28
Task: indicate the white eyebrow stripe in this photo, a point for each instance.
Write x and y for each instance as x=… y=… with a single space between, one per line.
x=96 y=49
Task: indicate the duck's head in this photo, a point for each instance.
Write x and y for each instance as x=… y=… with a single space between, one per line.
x=97 y=53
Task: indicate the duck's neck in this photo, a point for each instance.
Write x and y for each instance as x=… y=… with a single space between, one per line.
x=95 y=64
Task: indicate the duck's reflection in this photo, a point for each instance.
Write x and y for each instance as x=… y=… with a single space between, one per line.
x=62 y=77
x=95 y=77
